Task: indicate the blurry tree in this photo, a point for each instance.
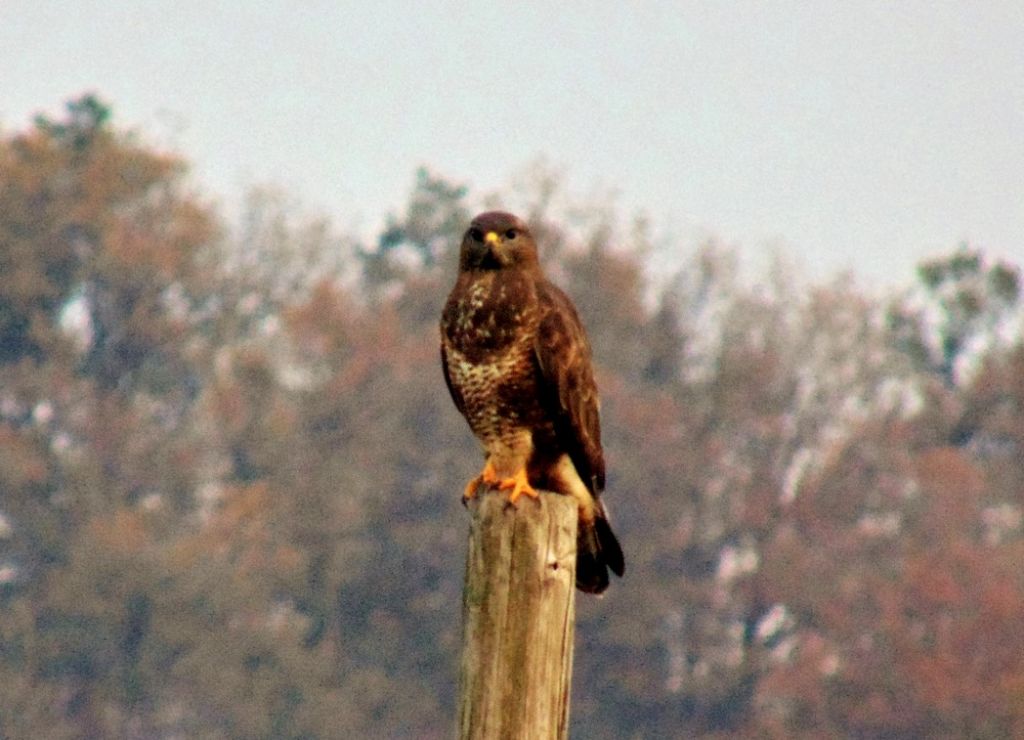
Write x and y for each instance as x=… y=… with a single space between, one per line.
x=229 y=472
x=425 y=236
x=967 y=302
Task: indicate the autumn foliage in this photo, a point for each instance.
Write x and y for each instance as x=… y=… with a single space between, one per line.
x=230 y=472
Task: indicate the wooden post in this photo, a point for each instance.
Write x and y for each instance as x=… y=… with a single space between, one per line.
x=518 y=618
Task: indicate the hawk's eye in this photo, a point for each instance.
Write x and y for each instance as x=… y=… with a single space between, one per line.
x=476 y=235
x=510 y=234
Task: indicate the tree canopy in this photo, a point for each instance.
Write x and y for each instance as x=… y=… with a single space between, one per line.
x=230 y=473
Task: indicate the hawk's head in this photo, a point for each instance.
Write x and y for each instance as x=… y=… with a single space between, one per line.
x=497 y=240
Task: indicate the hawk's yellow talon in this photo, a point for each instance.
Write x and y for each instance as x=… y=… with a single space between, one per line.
x=487 y=477
x=519 y=485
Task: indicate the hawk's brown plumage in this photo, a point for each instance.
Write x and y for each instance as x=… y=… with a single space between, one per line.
x=517 y=363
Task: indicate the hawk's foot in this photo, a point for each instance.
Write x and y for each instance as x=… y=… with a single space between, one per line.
x=487 y=476
x=519 y=485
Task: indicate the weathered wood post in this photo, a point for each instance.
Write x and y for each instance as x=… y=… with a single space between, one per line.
x=518 y=614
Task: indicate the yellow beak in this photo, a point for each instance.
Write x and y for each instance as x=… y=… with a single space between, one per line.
x=492 y=237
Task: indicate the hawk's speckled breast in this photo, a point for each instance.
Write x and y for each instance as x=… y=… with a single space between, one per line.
x=489 y=329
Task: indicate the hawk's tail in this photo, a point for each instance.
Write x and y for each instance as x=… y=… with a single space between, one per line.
x=597 y=550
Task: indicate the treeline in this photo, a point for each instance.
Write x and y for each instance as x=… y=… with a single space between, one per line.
x=230 y=472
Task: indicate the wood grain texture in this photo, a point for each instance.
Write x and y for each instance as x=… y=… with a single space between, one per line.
x=518 y=618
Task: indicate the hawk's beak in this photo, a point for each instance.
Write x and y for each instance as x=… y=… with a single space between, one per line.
x=492 y=238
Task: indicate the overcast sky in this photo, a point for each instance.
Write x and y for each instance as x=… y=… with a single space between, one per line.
x=866 y=135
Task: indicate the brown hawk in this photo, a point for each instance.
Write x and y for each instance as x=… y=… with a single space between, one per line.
x=517 y=363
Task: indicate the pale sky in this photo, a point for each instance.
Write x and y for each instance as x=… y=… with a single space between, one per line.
x=863 y=135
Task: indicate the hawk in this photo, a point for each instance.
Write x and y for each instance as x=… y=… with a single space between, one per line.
x=517 y=364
